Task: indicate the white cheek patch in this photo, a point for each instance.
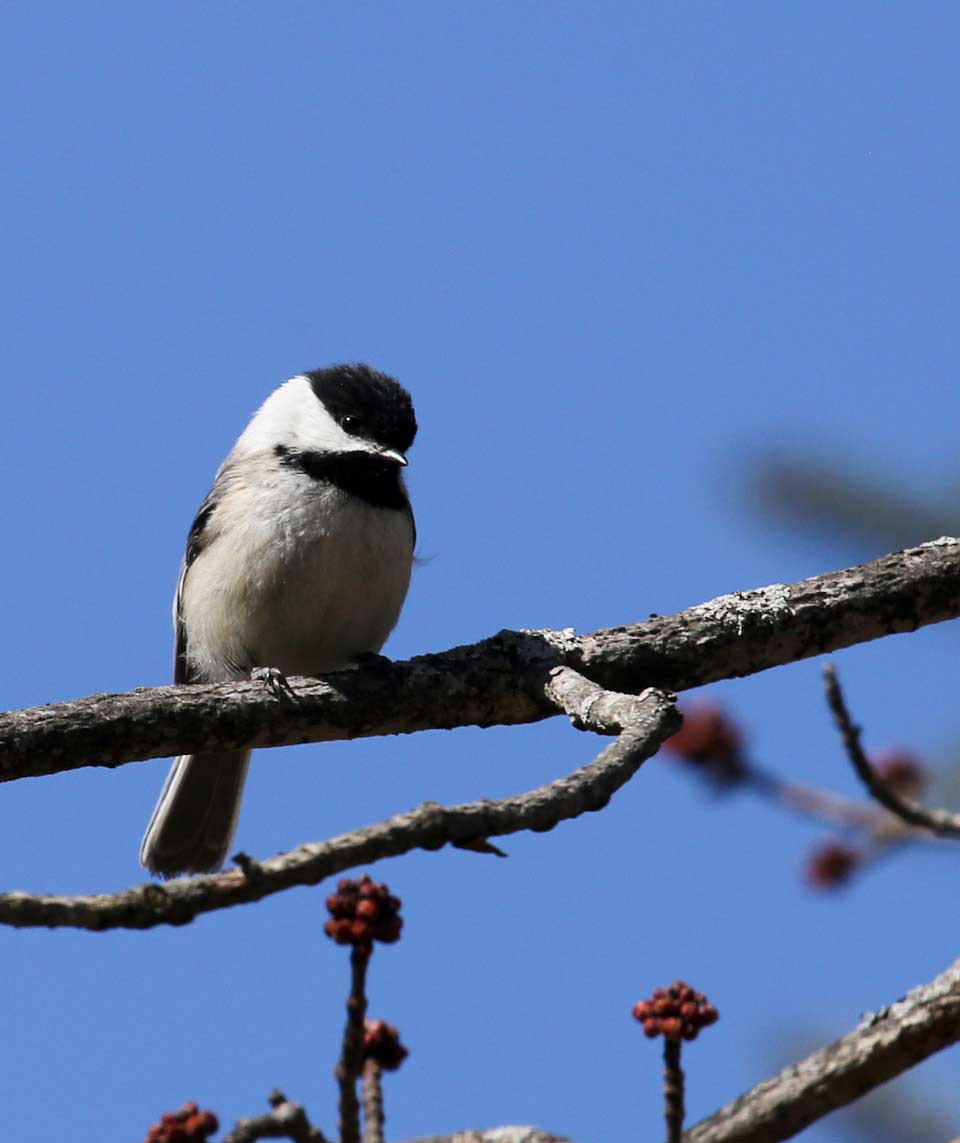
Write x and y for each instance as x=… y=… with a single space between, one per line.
x=317 y=431
x=292 y=415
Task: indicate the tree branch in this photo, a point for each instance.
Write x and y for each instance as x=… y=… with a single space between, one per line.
x=373 y=1117
x=885 y=1044
x=499 y=681
x=941 y=822
x=645 y=722
x=350 y=1064
x=673 y=1084
x=496 y=1135
x=286 y=1121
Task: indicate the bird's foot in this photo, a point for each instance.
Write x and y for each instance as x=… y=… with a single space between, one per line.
x=275 y=682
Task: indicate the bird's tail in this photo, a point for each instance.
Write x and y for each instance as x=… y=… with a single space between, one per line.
x=193 y=821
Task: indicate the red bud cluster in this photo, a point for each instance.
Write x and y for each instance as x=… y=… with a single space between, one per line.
x=362 y=912
x=381 y=1042
x=676 y=1013
x=904 y=773
x=188 y=1125
x=831 y=865
x=709 y=738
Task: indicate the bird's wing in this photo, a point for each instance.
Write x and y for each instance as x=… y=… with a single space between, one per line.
x=197 y=539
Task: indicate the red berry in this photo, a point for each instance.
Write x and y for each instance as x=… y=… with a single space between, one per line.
x=381 y=1042
x=359 y=930
x=373 y=1029
x=339 y=906
x=675 y=1012
x=210 y=1122
x=707 y=736
x=831 y=865
x=332 y=929
x=362 y=912
x=389 y=931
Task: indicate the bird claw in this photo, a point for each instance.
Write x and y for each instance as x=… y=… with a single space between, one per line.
x=275 y=682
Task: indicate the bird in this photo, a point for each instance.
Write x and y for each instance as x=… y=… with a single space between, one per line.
x=297 y=563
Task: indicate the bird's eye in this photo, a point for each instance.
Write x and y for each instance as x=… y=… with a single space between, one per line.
x=348 y=422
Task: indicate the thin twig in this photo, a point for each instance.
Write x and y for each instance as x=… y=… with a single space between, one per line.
x=936 y=820
x=673 y=1110
x=823 y=805
x=350 y=1063
x=373 y=1117
x=286 y=1121
x=651 y=718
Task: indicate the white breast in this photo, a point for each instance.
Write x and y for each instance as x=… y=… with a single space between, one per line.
x=295 y=575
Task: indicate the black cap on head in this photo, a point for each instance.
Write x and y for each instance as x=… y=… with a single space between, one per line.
x=366 y=404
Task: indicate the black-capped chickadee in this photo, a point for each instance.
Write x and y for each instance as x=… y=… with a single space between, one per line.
x=298 y=561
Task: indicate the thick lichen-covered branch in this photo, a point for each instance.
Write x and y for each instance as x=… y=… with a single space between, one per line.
x=499 y=681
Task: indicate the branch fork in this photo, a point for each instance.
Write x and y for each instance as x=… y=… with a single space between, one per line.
x=644 y=722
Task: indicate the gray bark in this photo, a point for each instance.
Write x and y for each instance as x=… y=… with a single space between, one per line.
x=499 y=681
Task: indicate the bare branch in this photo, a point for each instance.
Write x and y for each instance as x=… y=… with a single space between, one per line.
x=496 y=1135
x=885 y=1044
x=350 y=1064
x=499 y=681
x=939 y=821
x=673 y=1098
x=286 y=1121
x=647 y=720
x=822 y=805
x=373 y=1117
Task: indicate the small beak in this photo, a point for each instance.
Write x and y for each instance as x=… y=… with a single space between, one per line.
x=392 y=454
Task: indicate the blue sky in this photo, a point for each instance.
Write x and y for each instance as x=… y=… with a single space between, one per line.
x=616 y=251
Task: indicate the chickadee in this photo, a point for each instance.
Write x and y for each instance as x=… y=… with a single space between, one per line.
x=298 y=561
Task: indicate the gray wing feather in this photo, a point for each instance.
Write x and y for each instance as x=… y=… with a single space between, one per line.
x=198 y=538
